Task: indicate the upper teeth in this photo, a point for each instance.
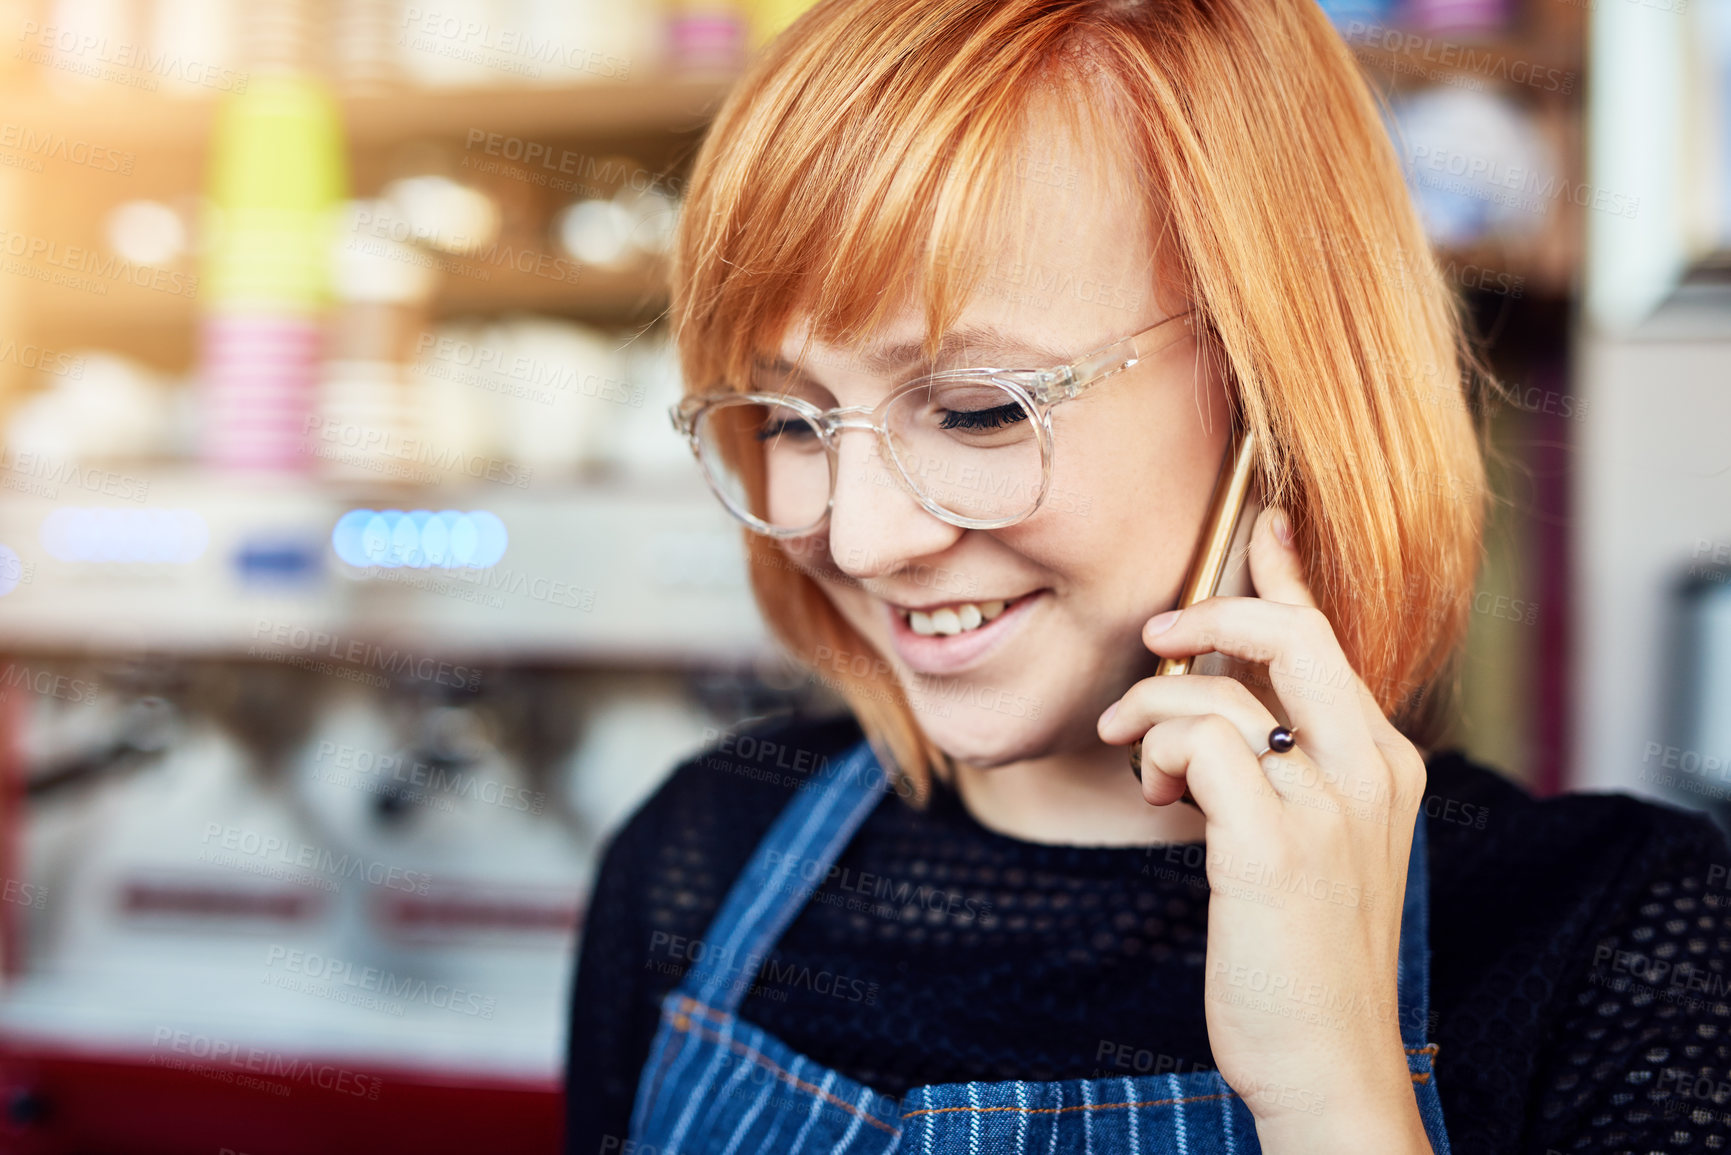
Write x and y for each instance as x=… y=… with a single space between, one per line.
x=953 y=619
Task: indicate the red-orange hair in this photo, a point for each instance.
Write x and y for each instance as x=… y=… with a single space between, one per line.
x=864 y=155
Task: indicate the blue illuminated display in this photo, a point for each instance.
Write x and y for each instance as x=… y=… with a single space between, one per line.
x=419 y=539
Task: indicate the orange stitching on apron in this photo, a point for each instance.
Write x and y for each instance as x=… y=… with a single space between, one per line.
x=1078 y=1107
x=692 y=1006
x=683 y=1022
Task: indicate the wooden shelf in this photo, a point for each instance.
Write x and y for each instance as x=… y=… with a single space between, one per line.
x=599 y=110
x=161 y=328
x=156 y=328
x=620 y=296
x=602 y=110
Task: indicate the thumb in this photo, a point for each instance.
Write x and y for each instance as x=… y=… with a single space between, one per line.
x=1275 y=570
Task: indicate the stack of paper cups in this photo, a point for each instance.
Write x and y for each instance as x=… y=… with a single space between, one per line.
x=276 y=179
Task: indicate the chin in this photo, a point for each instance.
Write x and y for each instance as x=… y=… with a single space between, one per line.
x=987 y=738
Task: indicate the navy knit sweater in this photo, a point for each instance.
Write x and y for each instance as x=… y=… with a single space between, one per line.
x=1581 y=953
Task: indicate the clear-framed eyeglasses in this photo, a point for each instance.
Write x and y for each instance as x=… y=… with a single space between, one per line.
x=973 y=446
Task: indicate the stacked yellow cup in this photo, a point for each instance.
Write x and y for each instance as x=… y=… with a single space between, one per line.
x=277 y=177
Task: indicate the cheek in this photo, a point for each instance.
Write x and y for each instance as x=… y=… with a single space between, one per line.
x=1120 y=523
x=810 y=556
x=861 y=611
x=1131 y=461
x=1103 y=507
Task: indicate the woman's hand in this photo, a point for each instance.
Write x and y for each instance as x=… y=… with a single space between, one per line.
x=1306 y=857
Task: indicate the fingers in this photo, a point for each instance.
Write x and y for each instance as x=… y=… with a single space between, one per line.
x=1207 y=753
x=1154 y=700
x=1276 y=571
x=1282 y=628
x=1336 y=716
x=1309 y=673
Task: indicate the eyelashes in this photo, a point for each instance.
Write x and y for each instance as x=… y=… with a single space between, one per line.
x=994 y=418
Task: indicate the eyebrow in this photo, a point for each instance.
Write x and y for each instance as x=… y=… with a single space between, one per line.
x=980 y=341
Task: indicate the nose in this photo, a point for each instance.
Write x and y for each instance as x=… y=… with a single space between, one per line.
x=876 y=525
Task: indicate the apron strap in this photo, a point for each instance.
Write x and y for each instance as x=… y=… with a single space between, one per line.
x=791 y=862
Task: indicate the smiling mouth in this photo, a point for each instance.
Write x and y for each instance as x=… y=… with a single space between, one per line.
x=956 y=617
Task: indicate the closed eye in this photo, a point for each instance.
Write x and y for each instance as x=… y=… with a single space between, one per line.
x=996 y=417
x=785 y=427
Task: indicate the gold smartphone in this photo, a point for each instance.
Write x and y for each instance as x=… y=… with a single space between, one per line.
x=1225 y=508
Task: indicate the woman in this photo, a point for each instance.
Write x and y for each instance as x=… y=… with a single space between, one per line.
x=1187 y=213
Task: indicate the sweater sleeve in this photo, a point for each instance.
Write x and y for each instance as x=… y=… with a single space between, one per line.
x=1639 y=1059
x=662 y=878
x=613 y=1011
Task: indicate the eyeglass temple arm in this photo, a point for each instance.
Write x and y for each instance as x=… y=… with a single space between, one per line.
x=1117 y=357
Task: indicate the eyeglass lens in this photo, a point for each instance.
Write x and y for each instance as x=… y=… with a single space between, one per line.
x=969 y=446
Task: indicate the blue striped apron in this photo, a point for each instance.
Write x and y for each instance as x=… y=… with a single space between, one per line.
x=717 y=1085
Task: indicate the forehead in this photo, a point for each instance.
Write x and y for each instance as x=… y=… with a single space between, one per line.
x=901 y=347
x=1064 y=263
